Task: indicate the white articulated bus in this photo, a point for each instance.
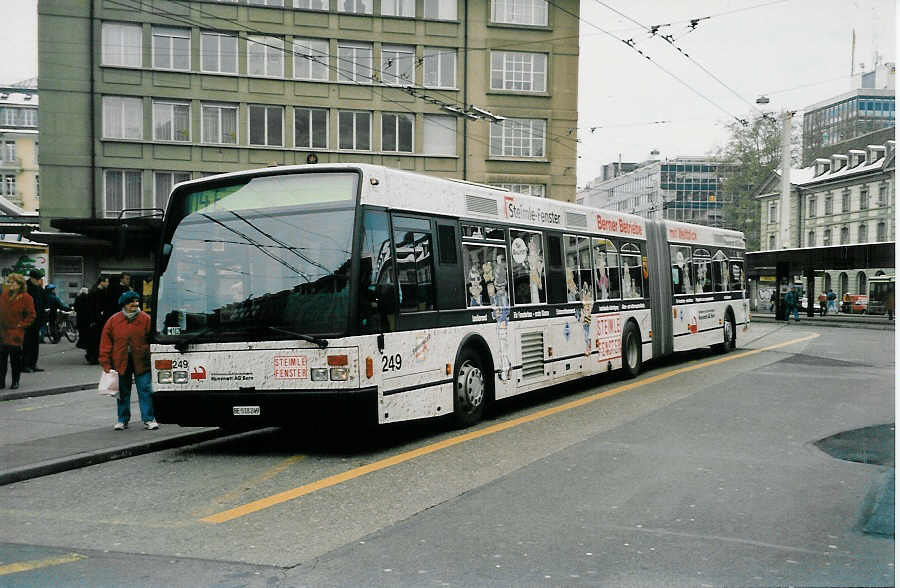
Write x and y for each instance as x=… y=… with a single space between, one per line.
x=284 y=291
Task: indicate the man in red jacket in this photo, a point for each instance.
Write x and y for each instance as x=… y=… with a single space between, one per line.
x=125 y=347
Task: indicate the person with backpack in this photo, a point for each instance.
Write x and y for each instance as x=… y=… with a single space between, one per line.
x=790 y=305
x=832 y=297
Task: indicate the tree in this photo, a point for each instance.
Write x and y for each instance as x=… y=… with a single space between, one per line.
x=755 y=148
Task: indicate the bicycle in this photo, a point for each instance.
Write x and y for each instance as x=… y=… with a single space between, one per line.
x=64 y=327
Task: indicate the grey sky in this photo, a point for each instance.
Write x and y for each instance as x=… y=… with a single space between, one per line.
x=795 y=51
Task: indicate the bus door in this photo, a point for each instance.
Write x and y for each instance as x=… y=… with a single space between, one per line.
x=660 y=288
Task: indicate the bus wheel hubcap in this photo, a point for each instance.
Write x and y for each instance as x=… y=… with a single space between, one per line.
x=728 y=333
x=470 y=387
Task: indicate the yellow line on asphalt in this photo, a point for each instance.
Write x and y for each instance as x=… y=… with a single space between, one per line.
x=27 y=408
x=24 y=566
x=263 y=503
x=257 y=480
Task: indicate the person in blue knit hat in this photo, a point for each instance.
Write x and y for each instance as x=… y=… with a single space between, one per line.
x=125 y=347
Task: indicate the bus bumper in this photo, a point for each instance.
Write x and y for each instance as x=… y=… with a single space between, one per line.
x=252 y=409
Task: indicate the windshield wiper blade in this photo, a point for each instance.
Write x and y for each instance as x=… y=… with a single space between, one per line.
x=182 y=345
x=321 y=343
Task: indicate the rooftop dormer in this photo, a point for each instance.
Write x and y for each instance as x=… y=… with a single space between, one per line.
x=857 y=157
x=822 y=166
x=875 y=152
x=838 y=162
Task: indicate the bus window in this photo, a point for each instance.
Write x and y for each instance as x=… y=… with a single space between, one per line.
x=633 y=272
x=528 y=267
x=579 y=286
x=682 y=279
x=487 y=275
x=736 y=275
x=415 y=270
x=606 y=270
x=719 y=267
x=378 y=298
x=702 y=278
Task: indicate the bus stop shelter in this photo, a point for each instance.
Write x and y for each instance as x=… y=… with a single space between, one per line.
x=806 y=261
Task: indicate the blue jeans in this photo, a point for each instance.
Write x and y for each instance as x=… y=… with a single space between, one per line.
x=123 y=402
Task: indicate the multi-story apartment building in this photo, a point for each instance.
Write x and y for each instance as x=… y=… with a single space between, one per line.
x=846 y=199
x=19 y=178
x=138 y=95
x=686 y=189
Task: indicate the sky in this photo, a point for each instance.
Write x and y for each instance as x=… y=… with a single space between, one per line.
x=797 y=52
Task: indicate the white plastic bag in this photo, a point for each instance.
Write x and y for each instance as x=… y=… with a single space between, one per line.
x=109 y=384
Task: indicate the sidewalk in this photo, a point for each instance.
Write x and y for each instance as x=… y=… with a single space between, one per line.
x=41 y=435
x=856 y=321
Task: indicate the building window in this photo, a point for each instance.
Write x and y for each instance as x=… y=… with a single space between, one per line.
x=882 y=195
x=355 y=6
x=121 y=44
x=9 y=185
x=440 y=9
x=218 y=52
x=812 y=206
x=266 y=125
x=773 y=213
x=310 y=59
x=122 y=191
x=311 y=4
x=270 y=3
x=513 y=70
x=845 y=235
x=162 y=186
x=397 y=132
x=440 y=134
x=219 y=123
x=863 y=197
x=171 y=121
x=439 y=67
x=36 y=159
x=311 y=128
x=845 y=201
x=354 y=62
x=862 y=234
x=771 y=242
x=9 y=151
x=265 y=56
x=171 y=48
x=811 y=239
x=37 y=186
x=826 y=238
x=881 y=232
x=397 y=65
x=521 y=12
x=861 y=283
x=829 y=205
x=18 y=117
x=123 y=118
x=398 y=8
x=355 y=130
x=518 y=137
x=538 y=190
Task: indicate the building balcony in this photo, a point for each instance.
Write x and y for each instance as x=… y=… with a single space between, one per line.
x=11 y=164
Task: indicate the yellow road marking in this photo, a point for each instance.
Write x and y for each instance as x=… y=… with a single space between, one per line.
x=259 y=479
x=24 y=566
x=336 y=479
x=27 y=408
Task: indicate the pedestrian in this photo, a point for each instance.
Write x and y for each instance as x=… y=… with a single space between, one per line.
x=823 y=303
x=772 y=300
x=790 y=305
x=116 y=290
x=832 y=298
x=82 y=317
x=96 y=316
x=31 y=346
x=54 y=305
x=125 y=347
x=16 y=315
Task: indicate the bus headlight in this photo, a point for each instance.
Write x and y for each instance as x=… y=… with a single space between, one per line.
x=319 y=374
x=164 y=377
x=180 y=377
x=341 y=373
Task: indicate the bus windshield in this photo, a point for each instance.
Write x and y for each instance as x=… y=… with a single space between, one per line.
x=259 y=258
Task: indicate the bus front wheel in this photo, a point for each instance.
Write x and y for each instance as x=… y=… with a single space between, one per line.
x=728 y=334
x=631 y=350
x=469 y=389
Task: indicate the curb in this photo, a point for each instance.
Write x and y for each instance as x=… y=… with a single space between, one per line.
x=806 y=322
x=45 y=392
x=71 y=462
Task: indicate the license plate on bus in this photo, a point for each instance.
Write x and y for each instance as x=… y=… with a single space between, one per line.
x=245 y=410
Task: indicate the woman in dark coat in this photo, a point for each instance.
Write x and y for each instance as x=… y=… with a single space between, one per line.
x=16 y=314
x=96 y=311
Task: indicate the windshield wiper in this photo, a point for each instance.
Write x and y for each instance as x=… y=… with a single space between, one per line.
x=182 y=344
x=321 y=343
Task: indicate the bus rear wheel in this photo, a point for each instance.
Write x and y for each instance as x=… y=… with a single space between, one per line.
x=631 y=350
x=469 y=390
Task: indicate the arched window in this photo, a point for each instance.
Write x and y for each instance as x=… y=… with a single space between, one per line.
x=845 y=287
x=811 y=239
x=827 y=282
x=845 y=235
x=861 y=283
x=879 y=273
x=771 y=242
x=826 y=237
x=862 y=234
x=881 y=232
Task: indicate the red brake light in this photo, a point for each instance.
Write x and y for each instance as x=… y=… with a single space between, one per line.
x=337 y=360
x=163 y=364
